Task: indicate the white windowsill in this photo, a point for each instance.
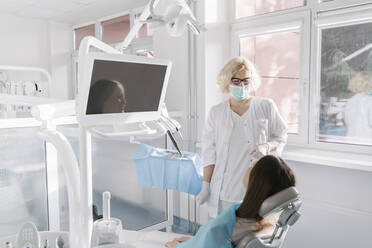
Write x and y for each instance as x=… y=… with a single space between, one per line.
x=326 y=158
x=329 y=158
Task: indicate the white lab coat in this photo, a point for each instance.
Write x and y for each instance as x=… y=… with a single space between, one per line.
x=267 y=126
x=358 y=117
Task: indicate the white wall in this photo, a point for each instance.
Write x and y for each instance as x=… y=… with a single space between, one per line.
x=176 y=50
x=337 y=207
x=60 y=38
x=24 y=42
x=213 y=52
x=37 y=43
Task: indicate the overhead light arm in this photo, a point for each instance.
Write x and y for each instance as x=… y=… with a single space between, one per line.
x=138 y=24
x=177 y=16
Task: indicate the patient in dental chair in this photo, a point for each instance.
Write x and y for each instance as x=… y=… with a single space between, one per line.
x=267 y=177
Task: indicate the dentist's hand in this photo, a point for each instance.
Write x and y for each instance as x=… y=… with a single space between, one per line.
x=204 y=193
x=260 y=151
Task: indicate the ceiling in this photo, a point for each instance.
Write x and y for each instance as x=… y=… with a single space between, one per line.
x=68 y=11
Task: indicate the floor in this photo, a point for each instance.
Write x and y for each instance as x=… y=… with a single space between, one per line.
x=182 y=226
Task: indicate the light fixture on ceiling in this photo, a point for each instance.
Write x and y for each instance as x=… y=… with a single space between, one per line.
x=175 y=15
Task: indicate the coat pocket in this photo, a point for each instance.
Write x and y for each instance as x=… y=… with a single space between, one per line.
x=262 y=131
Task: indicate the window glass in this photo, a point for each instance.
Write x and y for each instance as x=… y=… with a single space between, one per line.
x=246 y=8
x=82 y=32
x=23 y=191
x=145 y=30
x=280 y=73
x=116 y=29
x=346 y=85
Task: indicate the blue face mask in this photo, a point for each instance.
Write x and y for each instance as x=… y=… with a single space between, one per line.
x=240 y=92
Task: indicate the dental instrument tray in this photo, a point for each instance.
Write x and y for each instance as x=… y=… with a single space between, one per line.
x=164 y=169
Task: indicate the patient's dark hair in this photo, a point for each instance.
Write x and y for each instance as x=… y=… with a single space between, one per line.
x=268 y=176
x=99 y=92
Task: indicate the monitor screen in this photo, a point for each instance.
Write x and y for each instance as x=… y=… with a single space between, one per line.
x=125 y=87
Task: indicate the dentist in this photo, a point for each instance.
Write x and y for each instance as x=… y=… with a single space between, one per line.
x=237 y=133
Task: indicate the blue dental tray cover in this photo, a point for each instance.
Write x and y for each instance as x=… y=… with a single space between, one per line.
x=161 y=169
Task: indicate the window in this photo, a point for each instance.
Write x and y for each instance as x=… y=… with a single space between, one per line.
x=345 y=111
x=280 y=74
x=246 y=8
x=115 y=30
x=280 y=52
x=82 y=32
x=329 y=105
x=145 y=30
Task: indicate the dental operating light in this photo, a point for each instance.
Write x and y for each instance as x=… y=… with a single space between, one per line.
x=175 y=15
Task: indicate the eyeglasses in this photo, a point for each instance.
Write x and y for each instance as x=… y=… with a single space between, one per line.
x=239 y=81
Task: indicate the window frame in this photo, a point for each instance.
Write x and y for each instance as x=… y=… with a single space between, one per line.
x=137 y=43
x=320 y=5
x=268 y=14
x=313 y=14
x=331 y=19
x=82 y=25
x=100 y=21
x=290 y=21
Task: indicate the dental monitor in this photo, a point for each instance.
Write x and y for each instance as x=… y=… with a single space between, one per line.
x=119 y=88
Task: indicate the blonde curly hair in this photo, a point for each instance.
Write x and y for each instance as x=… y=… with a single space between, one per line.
x=231 y=68
x=360 y=83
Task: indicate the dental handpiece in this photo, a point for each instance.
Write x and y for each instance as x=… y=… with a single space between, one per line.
x=174 y=142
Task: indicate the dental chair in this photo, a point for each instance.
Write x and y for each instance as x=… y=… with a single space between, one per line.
x=287 y=203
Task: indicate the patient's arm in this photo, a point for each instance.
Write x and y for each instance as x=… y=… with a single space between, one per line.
x=182 y=239
x=176 y=241
x=172 y=244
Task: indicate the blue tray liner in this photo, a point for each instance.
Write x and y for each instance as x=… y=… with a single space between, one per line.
x=155 y=169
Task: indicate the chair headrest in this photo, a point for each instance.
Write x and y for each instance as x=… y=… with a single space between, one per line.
x=278 y=201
